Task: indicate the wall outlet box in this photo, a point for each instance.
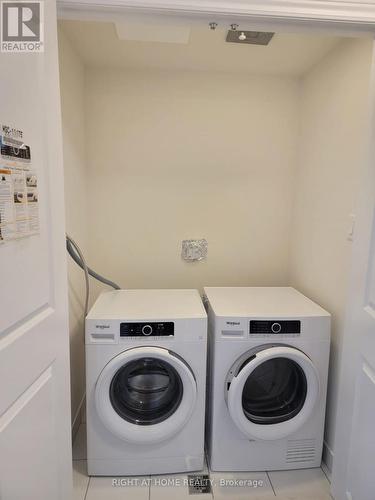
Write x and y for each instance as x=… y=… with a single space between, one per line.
x=193 y=250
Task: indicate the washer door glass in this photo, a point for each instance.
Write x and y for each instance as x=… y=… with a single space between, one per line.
x=274 y=392
x=146 y=391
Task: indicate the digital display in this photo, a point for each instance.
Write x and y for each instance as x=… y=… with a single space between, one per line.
x=154 y=329
x=275 y=327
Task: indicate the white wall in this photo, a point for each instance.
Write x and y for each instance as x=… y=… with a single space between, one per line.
x=72 y=76
x=331 y=142
x=190 y=155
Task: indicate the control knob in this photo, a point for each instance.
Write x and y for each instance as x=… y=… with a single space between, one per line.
x=147 y=330
x=276 y=328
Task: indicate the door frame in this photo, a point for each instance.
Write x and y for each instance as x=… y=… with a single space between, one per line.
x=355 y=17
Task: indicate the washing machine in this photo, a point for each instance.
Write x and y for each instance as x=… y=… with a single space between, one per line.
x=268 y=364
x=146 y=379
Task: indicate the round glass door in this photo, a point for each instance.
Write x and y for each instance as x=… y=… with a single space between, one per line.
x=271 y=391
x=146 y=391
x=145 y=395
x=274 y=392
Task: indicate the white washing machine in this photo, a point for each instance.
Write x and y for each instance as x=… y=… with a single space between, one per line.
x=146 y=379
x=268 y=364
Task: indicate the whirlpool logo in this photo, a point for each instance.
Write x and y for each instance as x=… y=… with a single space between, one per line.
x=233 y=323
x=102 y=327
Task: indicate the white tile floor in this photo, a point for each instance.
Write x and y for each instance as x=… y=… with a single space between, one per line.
x=307 y=484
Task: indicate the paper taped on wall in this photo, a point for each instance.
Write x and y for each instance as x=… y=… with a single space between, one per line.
x=19 y=203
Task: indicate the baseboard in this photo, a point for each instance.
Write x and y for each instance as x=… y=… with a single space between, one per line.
x=78 y=417
x=327 y=461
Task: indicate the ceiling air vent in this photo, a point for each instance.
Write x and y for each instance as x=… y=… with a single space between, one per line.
x=252 y=37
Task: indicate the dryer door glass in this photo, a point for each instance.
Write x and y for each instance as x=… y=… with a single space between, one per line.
x=275 y=391
x=146 y=391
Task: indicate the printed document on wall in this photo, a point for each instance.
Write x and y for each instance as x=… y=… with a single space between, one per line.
x=19 y=202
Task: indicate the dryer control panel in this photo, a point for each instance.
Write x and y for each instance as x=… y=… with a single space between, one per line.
x=165 y=329
x=275 y=327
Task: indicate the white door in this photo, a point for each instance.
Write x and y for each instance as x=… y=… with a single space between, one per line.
x=353 y=475
x=35 y=441
x=145 y=395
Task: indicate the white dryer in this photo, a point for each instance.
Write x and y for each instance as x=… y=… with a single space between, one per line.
x=146 y=379
x=268 y=364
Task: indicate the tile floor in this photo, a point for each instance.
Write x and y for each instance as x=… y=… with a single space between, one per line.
x=307 y=484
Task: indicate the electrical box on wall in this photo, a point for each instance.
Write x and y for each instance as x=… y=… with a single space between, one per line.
x=194 y=250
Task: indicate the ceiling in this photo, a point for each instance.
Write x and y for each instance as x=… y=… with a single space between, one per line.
x=99 y=46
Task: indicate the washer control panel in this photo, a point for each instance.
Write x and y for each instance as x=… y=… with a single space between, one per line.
x=147 y=329
x=275 y=327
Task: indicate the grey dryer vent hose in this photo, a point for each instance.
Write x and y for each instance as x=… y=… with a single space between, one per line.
x=76 y=254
